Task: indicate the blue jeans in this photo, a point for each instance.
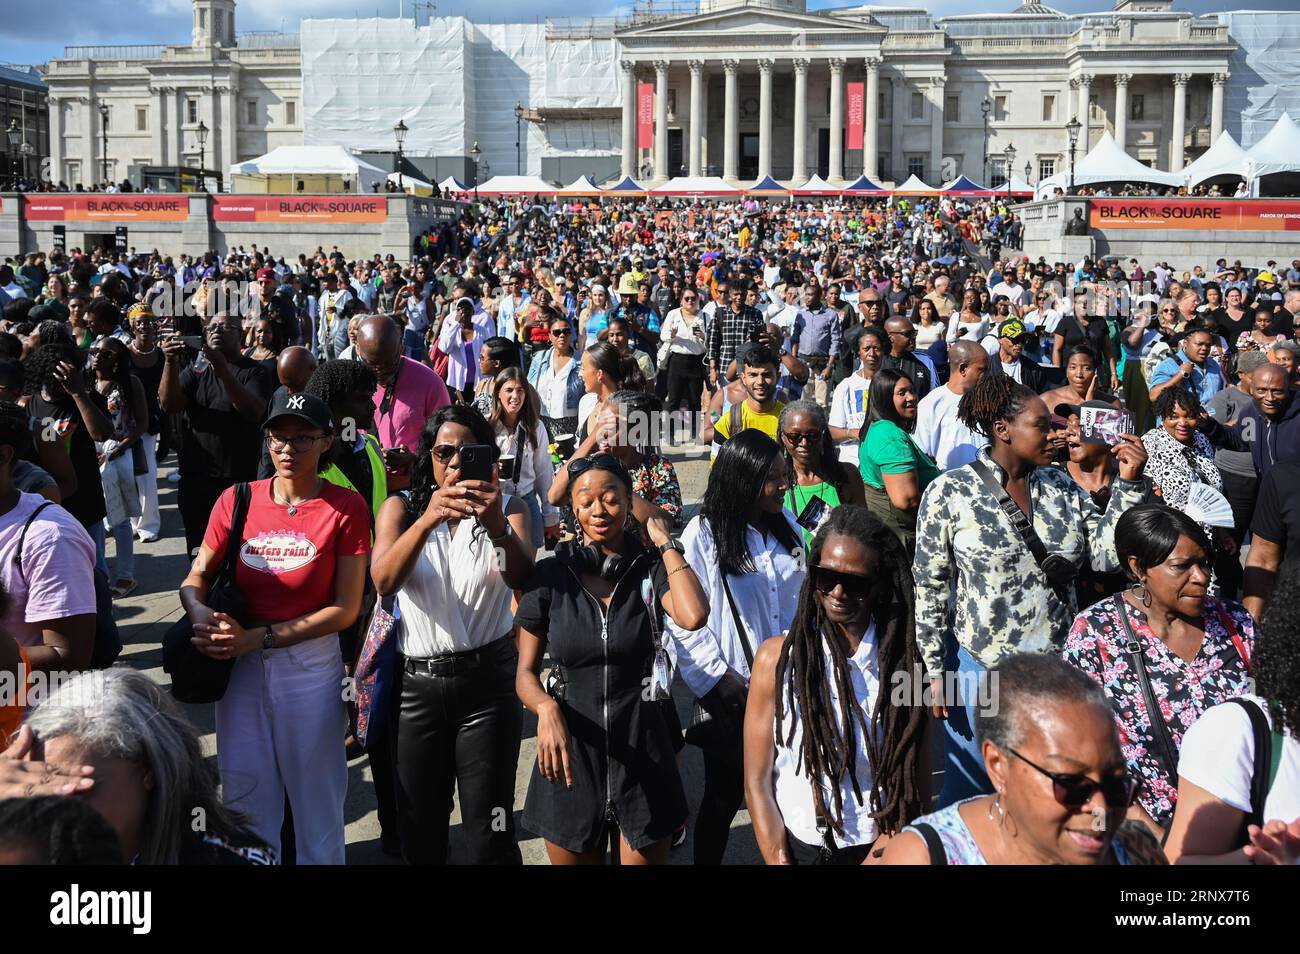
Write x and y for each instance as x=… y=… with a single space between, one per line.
x=124 y=562
x=97 y=534
x=413 y=344
x=963 y=764
x=535 y=519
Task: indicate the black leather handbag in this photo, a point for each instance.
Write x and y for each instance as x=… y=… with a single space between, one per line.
x=197 y=678
x=713 y=728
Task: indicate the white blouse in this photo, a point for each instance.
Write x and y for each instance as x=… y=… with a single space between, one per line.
x=455 y=599
x=534 y=467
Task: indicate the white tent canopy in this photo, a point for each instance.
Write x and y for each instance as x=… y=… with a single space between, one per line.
x=514 y=185
x=580 y=186
x=313 y=160
x=1108 y=162
x=815 y=185
x=404 y=182
x=697 y=185
x=451 y=184
x=1224 y=158
x=1279 y=150
x=914 y=184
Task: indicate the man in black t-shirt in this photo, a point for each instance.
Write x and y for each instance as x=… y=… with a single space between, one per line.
x=1276 y=533
x=223 y=396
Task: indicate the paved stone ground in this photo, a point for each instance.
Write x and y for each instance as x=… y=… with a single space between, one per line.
x=145 y=615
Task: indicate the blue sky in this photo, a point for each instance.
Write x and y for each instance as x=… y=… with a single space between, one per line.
x=37 y=38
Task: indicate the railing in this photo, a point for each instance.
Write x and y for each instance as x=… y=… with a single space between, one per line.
x=140 y=51
x=925 y=40
x=1000 y=44
x=1215 y=32
x=563 y=28
x=267 y=40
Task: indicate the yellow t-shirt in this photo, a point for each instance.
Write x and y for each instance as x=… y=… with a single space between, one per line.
x=765 y=421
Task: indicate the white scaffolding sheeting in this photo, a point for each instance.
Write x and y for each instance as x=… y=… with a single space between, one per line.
x=1265 y=80
x=361 y=76
x=582 y=74
x=509 y=68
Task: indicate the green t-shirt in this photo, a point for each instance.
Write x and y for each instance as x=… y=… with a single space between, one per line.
x=889 y=449
x=797 y=498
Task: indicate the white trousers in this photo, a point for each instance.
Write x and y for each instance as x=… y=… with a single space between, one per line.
x=280 y=729
x=149 y=521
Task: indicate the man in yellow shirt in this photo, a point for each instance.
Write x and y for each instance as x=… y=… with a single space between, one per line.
x=760 y=409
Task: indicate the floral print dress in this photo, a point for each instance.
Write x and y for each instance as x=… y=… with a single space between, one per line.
x=1184 y=690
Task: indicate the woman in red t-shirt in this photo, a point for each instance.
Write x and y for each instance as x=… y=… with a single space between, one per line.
x=301 y=568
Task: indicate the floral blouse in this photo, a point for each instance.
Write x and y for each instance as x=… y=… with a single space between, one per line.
x=1183 y=689
x=655 y=481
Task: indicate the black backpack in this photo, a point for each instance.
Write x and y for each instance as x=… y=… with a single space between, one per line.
x=108 y=641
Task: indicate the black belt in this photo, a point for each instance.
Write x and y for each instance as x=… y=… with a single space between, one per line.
x=455 y=664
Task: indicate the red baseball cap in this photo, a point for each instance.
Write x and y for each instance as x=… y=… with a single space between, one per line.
x=265 y=273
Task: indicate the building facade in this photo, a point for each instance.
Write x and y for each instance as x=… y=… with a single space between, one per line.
x=115 y=107
x=741 y=89
x=24 y=123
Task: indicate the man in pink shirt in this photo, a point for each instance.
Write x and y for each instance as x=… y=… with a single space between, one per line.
x=409 y=393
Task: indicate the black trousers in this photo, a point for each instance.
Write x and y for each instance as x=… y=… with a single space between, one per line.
x=195 y=499
x=685 y=381
x=724 y=790
x=464 y=730
x=1240 y=491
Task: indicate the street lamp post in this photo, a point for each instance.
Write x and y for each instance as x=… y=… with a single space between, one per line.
x=1029 y=170
x=13 y=135
x=201 y=133
x=475 y=153
x=1010 y=155
x=400 y=131
x=1073 y=127
x=519 y=118
x=986 y=107
x=103 y=138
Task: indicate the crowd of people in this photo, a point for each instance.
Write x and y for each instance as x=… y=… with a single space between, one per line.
x=995 y=561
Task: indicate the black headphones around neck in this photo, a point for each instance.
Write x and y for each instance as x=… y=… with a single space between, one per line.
x=590 y=559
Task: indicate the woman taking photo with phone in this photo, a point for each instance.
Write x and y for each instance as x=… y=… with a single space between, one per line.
x=830 y=761
x=604 y=755
x=301 y=571
x=452 y=550
x=748 y=553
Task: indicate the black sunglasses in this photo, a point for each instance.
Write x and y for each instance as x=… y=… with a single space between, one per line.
x=559 y=332
x=607 y=462
x=1074 y=790
x=826 y=579
x=794 y=437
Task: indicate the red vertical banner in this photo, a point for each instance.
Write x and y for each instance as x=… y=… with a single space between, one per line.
x=645 y=115
x=855 y=115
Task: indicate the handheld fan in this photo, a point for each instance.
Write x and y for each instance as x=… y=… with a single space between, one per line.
x=1206 y=505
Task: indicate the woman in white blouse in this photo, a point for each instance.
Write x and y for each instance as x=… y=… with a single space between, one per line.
x=521 y=437
x=452 y=552
x=461 y=341
x=747 y=551
x=967 y=322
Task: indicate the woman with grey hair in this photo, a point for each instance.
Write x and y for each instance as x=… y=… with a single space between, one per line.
x=1062 y=789
x=820 y=481
x=150 y=781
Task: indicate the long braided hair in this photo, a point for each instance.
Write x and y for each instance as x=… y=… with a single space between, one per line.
x=827 y=751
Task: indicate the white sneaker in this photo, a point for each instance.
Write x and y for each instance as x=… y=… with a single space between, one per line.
x=174 y=476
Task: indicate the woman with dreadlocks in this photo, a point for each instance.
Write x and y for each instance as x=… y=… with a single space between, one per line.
x=830 y=763
x=1011 y=533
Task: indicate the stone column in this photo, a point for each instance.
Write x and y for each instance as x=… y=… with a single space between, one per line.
x=800 y=172
x=936 y=131
x=765 y=117
x=731 y=121
x=661 y=119
x=871 y=122
x=629 y=118
x=1121 y=108
x=158 y=126
x=896 y=156
x=1085 y=95
x=697 y=114
x=56 y=139
x=1180 y=121
x=92 y=170
x=1218 y=81
x=836 y=172
x=230 y=132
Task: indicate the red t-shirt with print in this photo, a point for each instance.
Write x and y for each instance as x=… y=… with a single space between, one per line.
x=287 y=564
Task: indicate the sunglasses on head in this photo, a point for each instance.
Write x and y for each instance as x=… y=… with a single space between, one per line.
x=1073 y=790
x=607 y=462
x=826 y=580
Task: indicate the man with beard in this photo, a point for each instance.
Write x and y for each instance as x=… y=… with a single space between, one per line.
x=760 y=409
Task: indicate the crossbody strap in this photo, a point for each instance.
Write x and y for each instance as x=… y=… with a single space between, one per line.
x=1225 y=620
x=1261 y=778
x=22 y=537
x=1022 y=524
x=243 y=499
x=740 y=627
x=933 y=843
x=1136 y=653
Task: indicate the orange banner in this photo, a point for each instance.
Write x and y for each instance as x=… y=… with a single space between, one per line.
x=105 y=207
x=1202 y=215
x=293 y=208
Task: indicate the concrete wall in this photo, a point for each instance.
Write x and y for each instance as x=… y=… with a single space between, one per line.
x=408 y=216
x=1183 y=249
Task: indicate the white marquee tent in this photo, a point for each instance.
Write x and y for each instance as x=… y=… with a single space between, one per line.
x=513 y=185
x=452 y=184
x=697 y=185
x=1224 y=158
x=914 y=186
x=815 y=186
x=333 y=162
x=1107 y=162
x=405 y=182
x=1279 y=150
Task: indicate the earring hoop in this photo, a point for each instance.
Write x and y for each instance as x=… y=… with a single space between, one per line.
x=997 y=806
x=1143 y=597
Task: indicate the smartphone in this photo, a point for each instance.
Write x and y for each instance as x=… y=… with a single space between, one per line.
x=192 y=341
x=476 y=462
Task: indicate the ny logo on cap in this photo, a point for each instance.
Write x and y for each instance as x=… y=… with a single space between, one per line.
x=295 y=402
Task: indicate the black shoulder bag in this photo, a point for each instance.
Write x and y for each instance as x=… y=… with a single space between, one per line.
x=1060 y=572
x=197 y=678
x=707 y=729
x=1268 y=756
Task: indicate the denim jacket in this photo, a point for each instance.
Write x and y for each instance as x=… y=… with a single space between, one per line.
x=574 y=388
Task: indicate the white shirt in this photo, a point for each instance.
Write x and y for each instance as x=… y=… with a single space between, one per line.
x=1218 y=754
x=552 y=388
x=458 y=356
x=971 y=332
x=1012 y=371
x=849 y=410
x=793 y=789
x=678 y=329
x=454 y=600
x=765 y=599
x=534 y=463
x=941 y=434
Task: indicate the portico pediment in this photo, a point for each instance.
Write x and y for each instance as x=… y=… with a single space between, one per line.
x=752 y=21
